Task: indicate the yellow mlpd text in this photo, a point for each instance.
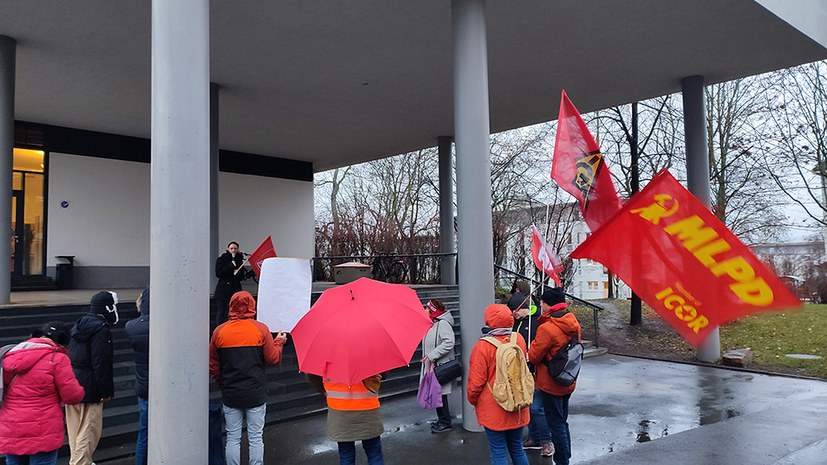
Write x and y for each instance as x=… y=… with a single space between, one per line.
x=683 y=311
x=704 y=243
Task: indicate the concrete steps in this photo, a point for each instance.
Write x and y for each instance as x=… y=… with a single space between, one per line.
x=290 y=396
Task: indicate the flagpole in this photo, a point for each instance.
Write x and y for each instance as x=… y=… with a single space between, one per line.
x=246 y=260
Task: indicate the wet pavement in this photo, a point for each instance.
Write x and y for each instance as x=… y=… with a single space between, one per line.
x=624 y=411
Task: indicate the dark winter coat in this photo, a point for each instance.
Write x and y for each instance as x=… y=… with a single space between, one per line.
x=240 y=349
x=91 y=353
x=138 y=332
x=228 y=283
x=38 y=378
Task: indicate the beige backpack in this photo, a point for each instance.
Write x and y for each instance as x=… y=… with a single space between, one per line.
x=513 y=387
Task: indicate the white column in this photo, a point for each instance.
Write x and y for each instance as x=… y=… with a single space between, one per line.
x=8 y=47
x=180 y=229
x=697 y=174
x=475 y=244
x=447 y=238
x=214 y=193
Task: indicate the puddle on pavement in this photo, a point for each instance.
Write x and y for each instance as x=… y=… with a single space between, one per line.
x=644 y=431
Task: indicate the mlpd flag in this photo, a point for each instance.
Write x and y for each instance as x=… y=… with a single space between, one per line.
x=683 y=261
x=544 y=259
x=263 y=252
x=580 y=169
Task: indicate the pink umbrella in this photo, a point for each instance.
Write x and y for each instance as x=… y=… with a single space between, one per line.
x=360 y=329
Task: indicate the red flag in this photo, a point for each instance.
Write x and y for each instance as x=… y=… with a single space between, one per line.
x=580 y=169
x=544 y=259
x=683 y=262
x=265 y=250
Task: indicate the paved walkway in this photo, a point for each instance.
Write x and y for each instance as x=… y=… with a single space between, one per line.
x=625 y=411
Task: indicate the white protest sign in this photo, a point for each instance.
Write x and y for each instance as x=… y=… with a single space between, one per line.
x=283 y=292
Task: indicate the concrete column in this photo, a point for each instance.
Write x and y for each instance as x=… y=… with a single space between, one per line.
x=8 y=49
x=697 y=174
x=475 y=244
x=180 y=228
x=447 y=239
x=215 y=248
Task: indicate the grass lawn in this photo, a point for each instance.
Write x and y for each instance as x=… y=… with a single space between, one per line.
x=773 y=335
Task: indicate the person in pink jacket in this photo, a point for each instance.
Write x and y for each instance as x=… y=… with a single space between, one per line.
x=37 y=381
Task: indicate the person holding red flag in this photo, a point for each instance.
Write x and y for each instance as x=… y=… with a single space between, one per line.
x=229 y=269
x=557 y=327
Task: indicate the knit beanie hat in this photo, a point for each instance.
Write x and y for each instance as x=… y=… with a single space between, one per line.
x=105 y=303
x=553 y=296
x=57 y=331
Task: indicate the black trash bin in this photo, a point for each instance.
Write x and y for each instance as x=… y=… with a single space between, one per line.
x=65 y=272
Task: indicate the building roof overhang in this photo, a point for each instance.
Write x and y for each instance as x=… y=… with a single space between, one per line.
x=337 y=83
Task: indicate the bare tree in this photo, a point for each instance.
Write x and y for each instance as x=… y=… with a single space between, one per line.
x=743 y=194
x=796 y=143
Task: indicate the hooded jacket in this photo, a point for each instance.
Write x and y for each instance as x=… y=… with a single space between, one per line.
x=438 y=346
x=240 y=349
x=557 y=327
x=91 y=353
x=138 y=332
x=37 y=377
x=482 y=371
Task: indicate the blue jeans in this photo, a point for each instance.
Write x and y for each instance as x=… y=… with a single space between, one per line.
x=40 y=458
x=233 y=419
x=557 y=415
x=373 y=449
x=502 y=444
x=143 y=421
x=537 y=426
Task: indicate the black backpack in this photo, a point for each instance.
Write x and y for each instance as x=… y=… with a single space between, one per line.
x=564 y=366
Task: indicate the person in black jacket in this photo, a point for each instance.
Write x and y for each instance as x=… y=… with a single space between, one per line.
x=138 y=332
x=229 y=271
x=91 y=353
x=526 y=316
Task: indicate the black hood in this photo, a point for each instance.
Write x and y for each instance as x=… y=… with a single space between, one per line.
x=88 y=325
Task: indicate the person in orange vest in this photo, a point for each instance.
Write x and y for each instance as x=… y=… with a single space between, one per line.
x=353 y=415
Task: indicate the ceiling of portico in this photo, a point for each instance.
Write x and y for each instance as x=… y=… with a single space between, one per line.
x=336 y=83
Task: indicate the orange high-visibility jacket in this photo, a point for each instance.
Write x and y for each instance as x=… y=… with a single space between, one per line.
x=357 y=397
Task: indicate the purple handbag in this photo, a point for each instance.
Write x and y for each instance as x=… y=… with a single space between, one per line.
x=430 y=392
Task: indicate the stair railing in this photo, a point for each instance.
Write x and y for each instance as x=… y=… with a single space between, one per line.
x=593 y=306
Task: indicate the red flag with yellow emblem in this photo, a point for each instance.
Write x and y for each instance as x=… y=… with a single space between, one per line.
x=580 y=169
x=683 y=261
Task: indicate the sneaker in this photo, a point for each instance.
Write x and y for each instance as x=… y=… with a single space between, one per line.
x=529 y=443
x=548 y=449
x=441 y=428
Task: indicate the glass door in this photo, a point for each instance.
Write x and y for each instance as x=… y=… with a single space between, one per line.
x=17 y=233
x=28 y=208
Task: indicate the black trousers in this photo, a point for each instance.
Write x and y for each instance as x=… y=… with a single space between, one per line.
x=444 y=413
x=222 y=311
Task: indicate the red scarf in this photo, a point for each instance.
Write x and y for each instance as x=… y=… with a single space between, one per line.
x=434 y=314
x=554 y=308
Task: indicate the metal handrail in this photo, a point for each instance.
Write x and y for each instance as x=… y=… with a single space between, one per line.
x=400 y=255
x=595 y=307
